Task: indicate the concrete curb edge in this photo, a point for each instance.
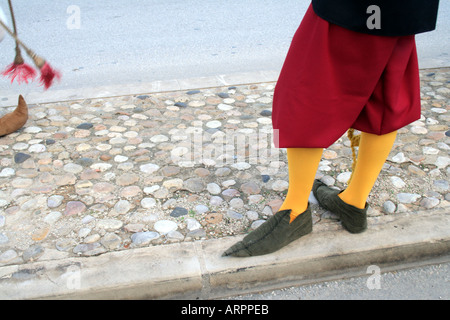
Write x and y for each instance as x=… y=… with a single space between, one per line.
x=53 y=96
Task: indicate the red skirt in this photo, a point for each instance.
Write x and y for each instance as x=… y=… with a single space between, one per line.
x=334 y=79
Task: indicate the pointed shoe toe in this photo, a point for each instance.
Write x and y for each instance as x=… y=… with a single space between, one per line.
x=272 y=235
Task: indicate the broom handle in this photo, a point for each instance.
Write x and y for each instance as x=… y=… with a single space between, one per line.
x=37 y=60
x=18 y=58
x=12 y=16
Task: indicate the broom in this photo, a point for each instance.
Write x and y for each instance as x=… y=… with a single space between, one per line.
x=18 y=68
x=23 y=71
x=354 y=142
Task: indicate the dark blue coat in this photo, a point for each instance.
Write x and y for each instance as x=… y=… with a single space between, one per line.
x=388 y=18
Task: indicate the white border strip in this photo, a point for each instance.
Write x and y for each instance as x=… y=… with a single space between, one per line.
x=52 y=96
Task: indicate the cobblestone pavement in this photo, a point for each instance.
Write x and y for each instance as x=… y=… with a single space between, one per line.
x=92 y=176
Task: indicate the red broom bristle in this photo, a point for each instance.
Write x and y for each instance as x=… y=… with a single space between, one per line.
x=23 y=72
x=48 y=74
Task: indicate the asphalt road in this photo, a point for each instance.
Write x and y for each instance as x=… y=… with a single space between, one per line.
x=98 y=43
x=425 y=280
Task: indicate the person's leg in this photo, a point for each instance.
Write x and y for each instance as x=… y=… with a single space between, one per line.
x=302 y=165
x=350 y=205
x=294 y=218
x=372 y=154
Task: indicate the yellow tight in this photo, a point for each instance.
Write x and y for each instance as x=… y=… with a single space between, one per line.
x=302 y=165
x=372 y=154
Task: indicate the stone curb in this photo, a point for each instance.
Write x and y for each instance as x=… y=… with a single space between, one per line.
x=55 y=95
x=196 y=270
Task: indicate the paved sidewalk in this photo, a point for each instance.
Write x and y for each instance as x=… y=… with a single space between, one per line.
x=137 y=196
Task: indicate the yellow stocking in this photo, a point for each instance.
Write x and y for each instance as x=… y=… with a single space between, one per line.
x=372 y=154
x=302 y=165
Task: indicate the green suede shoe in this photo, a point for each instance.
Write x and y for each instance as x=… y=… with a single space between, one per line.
x=353 y=219
x=272 y=235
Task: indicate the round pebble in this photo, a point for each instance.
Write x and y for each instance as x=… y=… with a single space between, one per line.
x=149 y=168
x=89 y=249
x=73 y=168
x=224 y=107
x=21 y=157
x=408 y=197
x=178 y=212
x=213 y=124
x=222 y=172
x=54 y=201
x=215 y=201
x=122 y=206
x=165 y=226
x=32 y=129
x=241 y=166
x=399 y=158
x=109 y=224
x=20 y=146
x=389 y=207
x=52 y=217
x=143 y=238
x=85 y=126
x=398 y=182
x=250 y=188
x=37 y=148
x=429 y=203
x=192 y=224
x=234 y=215
x=33 y=253
x=7 y=172
x=344 y=177
x=441 y=185
x=201 y=209
x=3 y=238
x=74 y=208
x=120 y=158
x=159 y=138
x=111 y=241
x=280 y=185
x=8 y=256
x=194 y=185
x=148 y=203
x=213 y=188
x=252 y=215
x=256 y=224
